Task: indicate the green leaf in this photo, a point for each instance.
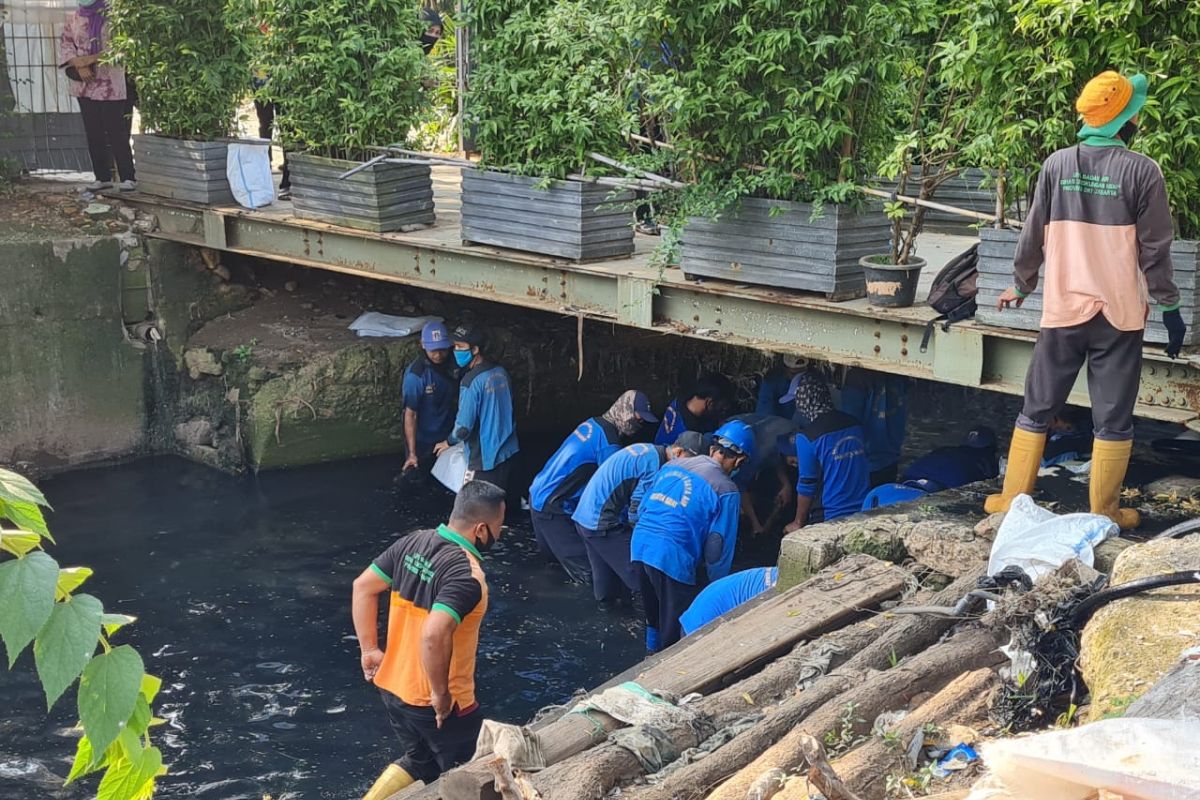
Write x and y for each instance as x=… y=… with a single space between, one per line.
x=150 y=686
x=83 y=764
x=25 y=515
x=15 y=488
x=70 y=579
x=108 y=691
x=18 y=542
x=128 y=778
x=66 y=643
x=114 y=622
x=26 y=599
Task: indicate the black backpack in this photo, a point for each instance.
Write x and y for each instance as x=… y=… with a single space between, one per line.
x=953 y=292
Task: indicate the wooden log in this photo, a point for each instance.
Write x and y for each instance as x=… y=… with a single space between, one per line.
x=900 y=637
x=820 y=773
x=866 y=768
x=699 y=662
x=879 y=692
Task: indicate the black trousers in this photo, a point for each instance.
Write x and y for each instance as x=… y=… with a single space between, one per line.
x=556 y=534
x=107 y=125
x=497 y=475
x=426 y=751
x=1114 y=364
x=665 y=599
x=613 y=576
x=266 y=123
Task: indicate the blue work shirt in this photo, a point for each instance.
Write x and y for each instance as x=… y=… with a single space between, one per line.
x=688 y=518
x=833 y=464
x=608 y=499
x=677 y=419
x=485 y=423
x=949 y=467
x=431 y=391
x=720 y=597
x=774 y=385
x=556 y=489
x=880 y=404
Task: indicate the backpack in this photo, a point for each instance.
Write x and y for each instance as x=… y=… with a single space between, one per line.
x=953 y=292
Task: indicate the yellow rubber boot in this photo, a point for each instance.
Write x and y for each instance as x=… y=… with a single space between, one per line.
x=1109 y=462
x=393 y=779
x=1024 y=460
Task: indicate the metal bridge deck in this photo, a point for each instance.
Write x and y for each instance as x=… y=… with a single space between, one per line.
x=633 y=292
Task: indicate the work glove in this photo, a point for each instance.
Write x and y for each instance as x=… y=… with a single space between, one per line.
x=1173 y=322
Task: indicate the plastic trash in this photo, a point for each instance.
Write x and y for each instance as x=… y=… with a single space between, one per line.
x=373 y=323
x=1040 y=541
x=450 y=469
x=248 y=168
x=1138 y=759
x=958 y=758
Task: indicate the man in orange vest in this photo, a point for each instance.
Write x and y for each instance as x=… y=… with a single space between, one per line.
x=1101 y=224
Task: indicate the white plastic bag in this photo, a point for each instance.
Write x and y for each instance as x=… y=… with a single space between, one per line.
x=248 y=167
x=1138 y=759
x=1040 y=541
x=451 y=468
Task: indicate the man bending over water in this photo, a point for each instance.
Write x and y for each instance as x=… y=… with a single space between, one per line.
x=426 y=677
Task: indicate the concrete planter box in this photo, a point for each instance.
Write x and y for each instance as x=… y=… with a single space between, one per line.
x=384 y=197
x=182 y=169
x=996 y=251
x=787 y=250
x=568 y=219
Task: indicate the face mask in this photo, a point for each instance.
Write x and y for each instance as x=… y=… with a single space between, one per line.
x=427 y=42
x=483 y=546
x=463 y=357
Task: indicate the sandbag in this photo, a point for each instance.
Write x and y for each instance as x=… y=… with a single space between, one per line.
x=248 y=168
x=1040 y=541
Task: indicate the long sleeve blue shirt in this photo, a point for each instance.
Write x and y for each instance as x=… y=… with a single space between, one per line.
x=880 y=404
x=431 y=392
x=485 y=423
x=556 y=489
x=608 y=500
x=676 y=419
x=688 y=519
x=720 y=597
x=834 y=470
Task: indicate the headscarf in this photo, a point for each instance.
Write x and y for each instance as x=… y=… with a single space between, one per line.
x=812 y=396
x=96 y=14
x=623 y=415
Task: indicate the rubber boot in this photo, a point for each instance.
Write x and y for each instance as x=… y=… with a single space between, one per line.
x=1110 y=460
x=1024 y=460
x=393 y=779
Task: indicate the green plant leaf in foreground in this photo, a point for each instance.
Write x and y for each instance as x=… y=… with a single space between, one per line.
x=26 y=599
x=25 y=515
x=70 y=579
x=66 y=643
x=108 y=691
x=18 y=542
x=114 y=622
x=15 y=488
x=131 y=776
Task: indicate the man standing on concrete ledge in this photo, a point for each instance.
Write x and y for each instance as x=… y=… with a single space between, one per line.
x=1101 y=224
x=430 y=390
x=484 y=423
x=426 y=677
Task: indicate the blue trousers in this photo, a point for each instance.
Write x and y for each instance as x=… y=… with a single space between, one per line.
x=613 y=576
x=556 y=534
x=665 y=599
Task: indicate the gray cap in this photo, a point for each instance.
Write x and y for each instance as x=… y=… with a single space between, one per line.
x=695 y=443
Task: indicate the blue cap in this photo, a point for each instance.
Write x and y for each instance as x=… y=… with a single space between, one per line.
x=736 y=435
x=794 y=387
x=641 y=407
x=981 y=437
x=434 y=336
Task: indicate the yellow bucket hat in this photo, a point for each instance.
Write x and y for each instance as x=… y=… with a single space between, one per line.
x=1108 y=101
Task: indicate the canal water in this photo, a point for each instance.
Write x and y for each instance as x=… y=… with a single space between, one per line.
x=242 y=587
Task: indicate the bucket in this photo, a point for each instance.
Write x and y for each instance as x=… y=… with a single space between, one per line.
x=891 y=285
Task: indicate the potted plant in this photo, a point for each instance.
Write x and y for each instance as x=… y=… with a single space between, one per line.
x=189 y=59
x=548 y=86
x=775 y=114
x=1025 y=62
x=345 y=79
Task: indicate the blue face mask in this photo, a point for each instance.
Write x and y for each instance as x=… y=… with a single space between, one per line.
x=463 y=357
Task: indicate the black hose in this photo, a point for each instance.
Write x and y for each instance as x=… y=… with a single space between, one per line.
x=1180 y=530
x=1084 y=610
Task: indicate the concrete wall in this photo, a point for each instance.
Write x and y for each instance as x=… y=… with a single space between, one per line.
x=71 y=387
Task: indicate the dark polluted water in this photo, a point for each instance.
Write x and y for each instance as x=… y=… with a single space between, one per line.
x=242 y=589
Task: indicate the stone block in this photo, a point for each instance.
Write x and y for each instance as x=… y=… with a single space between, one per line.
x=949 y=547
x=194 y=433
x=201 y=362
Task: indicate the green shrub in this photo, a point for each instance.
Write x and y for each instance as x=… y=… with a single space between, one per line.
x=345 y=74
x=190 y=59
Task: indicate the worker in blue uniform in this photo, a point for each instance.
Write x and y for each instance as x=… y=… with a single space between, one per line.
x=608 y=510
x=767 y=429
x=880 y=404
x=1070 y=437
x=687 y=530
x=555 y=490
x=484 y=423
x=701 y=407
x=775 y=383
x=944 y=468
x=722 y=596
x=430 y=395
x=829 y=453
